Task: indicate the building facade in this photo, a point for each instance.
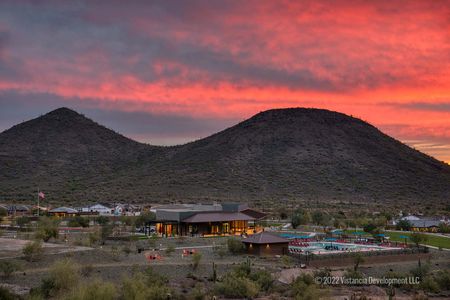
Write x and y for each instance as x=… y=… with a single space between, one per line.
x=205 y=220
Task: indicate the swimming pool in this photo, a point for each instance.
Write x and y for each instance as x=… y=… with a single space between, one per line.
x=333 y=247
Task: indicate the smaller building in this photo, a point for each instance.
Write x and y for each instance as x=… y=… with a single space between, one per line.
x=63 y=211
x=101 y=209
x=19 y=210
x=266 y=244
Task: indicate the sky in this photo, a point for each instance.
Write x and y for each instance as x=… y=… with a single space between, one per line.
x=168 y=72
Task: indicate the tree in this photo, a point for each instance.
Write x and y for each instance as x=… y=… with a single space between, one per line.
x=32 y=251
x=403 y=225
x=300 y=217
x=318 y=217
x=47 y=229
x=357 y=260
x=102 y=220
x=105 y=232
x=418 y=238
x=78 y=221
x=145 y=218
x=369 y=227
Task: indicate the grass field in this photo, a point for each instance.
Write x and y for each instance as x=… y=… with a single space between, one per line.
x=432 y=240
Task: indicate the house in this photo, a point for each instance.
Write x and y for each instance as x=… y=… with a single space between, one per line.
x=63 y=211
x=101 y=209
x=19 y=210
x=266 y=244
x=425 y=225
x=205 y=219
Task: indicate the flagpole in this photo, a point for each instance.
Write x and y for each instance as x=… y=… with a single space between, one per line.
x=38 y=203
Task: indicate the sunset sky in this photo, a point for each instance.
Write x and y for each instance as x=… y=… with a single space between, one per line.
x=167 y=72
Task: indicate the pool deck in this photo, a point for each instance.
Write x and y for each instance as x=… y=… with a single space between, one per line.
x=354 y=248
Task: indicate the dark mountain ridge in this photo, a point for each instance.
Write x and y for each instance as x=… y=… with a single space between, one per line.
x=298 y=153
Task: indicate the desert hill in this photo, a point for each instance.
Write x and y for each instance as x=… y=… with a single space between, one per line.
x=297 y=153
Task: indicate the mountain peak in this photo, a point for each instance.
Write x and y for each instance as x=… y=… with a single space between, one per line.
x=63 y=111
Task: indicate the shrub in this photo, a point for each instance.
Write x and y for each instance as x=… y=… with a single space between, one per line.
x=102 y=220
x=196 y=258
x=47 y=229
x=263 y=278
x=64 y=275
x=96 y=290
x=428 y=284
x=5 y=294
x=147 y=285
x=197 y=293
x=304 y=288
x=8 y=267
x=170 y=249
x=105 y=232
x=32 y=251
x=78 y=221
x=443 y=279
x=235 y=246
x=286 y=261
x=237 y=287
x=420 y=271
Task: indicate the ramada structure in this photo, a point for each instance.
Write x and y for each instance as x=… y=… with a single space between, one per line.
x=205 y=220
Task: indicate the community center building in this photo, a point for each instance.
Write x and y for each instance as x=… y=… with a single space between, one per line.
x=205 y=219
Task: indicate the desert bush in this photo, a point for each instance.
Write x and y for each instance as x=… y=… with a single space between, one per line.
x=96 y=290
x=263 y=278
x=443 y=279
x=428 y=284
x=286 y=261
x=105 y=232
x=86 y=270
x=421 y=270
x=196 y=258
x=235 y=246
x=33 y=251
x=170 y=249
x=304 y=288
x=102 y=220
x=47 y=229
x=233 y=286
x=64 y=275
x=146 y=285
x=78 y=221
x=5 y=294
x=8 y=267
x=197 y=293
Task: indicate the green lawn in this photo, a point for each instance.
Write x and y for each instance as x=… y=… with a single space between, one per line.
x=432 y=240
